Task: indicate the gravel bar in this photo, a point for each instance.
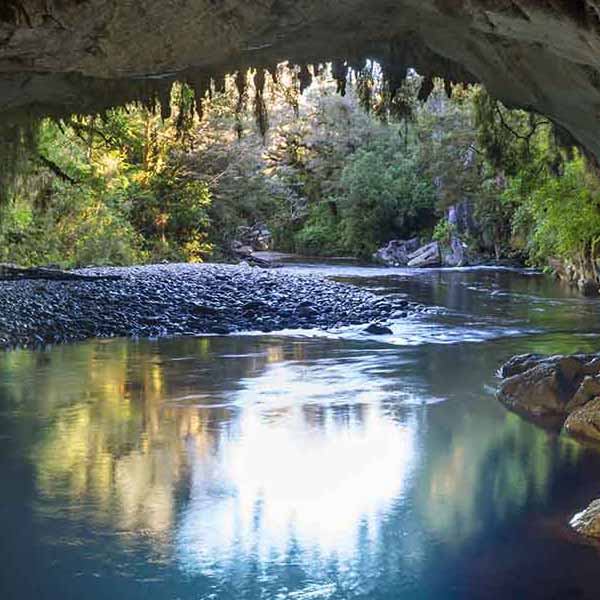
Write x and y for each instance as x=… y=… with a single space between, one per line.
x=182 y=299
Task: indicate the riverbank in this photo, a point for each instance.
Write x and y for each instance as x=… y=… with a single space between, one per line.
x=182 y=299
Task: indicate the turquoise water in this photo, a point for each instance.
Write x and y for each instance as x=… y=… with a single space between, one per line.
x=301 y=466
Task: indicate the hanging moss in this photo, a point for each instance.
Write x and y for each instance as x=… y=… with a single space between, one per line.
x=260 y=107
x=305 y=78
x=241 y=83
x=365 y=84
x=19 y=143
x=340 y=74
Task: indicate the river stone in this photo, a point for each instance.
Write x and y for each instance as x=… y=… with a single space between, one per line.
x=589 y=389
x=426 y=256
x=584 y=422
x=376 y=329
x=396 y=252
x=519 y=364
x=545 y=389
x=587 y=522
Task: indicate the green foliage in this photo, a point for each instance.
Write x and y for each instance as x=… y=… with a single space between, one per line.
x=383 y=195
x=562 y=215
x=75 y=231
x=443 y=231
x=320 y=235
x=330 y=175
x=172 y=216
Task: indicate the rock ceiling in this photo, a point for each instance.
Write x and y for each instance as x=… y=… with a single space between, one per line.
x=60 y=56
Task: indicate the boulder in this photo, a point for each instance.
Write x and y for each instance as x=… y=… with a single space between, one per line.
x=561 y=389
x=377 y=329
x=587 y=522
x=258 y=237
x=426 y=256
x=536 y=391
x=455 y=255
x=545 y=388
x=587 y=391
x=520 y=364
x=395 y=254
x=584 y=422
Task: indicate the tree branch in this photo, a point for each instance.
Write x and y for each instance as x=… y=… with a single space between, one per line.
x=57 y=170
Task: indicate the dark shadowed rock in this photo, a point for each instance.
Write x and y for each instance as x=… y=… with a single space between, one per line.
x=584 y=422
x=519 y=364
x=376 y=329
x=396 y=253
x=587 y=522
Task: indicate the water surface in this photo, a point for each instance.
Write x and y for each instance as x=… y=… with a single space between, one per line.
x=300 y=465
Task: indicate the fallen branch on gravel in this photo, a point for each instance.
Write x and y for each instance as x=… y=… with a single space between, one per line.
x=9 y=272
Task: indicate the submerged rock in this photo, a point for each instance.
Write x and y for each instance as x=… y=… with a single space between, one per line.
x=587 y=522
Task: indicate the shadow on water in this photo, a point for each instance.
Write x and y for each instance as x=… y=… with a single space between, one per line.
x=303 y=468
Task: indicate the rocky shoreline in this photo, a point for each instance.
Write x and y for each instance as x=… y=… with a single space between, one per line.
x=183 y=299
x=561 y=392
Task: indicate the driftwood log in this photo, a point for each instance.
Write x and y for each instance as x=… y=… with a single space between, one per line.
x=10 y=272
x=253 y=260
x=426 y=256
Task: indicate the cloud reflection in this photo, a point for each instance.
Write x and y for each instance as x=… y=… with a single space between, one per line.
x=283 y=481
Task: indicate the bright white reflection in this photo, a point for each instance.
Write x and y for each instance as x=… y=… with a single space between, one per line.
x=315 y=475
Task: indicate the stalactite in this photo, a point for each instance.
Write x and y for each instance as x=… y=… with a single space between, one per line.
x=219 y=83
x=305 y=77
x=164 y=94
x=272 y=70
x=241 y=83
x=340 y=74
x=425 y=89
x=260 y=107
x=364 y=88
x=201 y=86
x=448 y=85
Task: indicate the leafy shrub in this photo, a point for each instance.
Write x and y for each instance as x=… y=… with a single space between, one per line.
x=320 y=235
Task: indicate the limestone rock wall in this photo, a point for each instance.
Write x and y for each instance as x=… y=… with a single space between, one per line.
x=543 y=55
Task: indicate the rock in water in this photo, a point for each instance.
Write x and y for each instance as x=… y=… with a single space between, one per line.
x=395 y=254
x=519 y=364
x=426 y=256
x=560 y=386
x=376 y=329
x=543 y=385
x=456 y=254
x=587 y=522
x=539 y=391
x=584 y=422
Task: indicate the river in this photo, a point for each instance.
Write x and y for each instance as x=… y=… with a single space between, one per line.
x=302 y=465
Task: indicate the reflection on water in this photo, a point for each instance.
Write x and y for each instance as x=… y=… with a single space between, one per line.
x=281 y=467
